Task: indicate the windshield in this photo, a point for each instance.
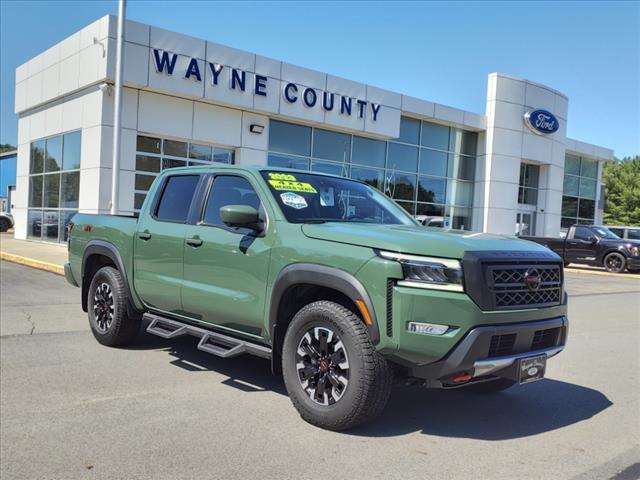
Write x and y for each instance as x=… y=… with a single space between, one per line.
x=309 y=198
x=605 y=233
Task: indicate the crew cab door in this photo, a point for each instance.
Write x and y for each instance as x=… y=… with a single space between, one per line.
x=159 y=243
x=226 y=269
x=581 y=247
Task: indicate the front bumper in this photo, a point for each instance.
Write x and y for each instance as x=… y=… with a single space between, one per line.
x=633 y=263
x=68 y=274
x=494 y=350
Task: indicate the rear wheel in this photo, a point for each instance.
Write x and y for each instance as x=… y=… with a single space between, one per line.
x=5 y=225
x=615 y=262
x=494 y=386
x=333 y=374
x=107 y=308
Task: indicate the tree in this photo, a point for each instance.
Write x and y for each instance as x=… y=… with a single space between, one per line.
x=622 y=180
x=5 y=147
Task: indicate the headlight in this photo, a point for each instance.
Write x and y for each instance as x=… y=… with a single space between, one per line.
x=635 y=251
x=428 y=272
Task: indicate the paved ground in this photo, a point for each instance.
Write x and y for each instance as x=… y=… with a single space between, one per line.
x=44 y=252
x=70 y=408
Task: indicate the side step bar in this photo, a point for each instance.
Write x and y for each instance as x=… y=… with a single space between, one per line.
x=211 y=342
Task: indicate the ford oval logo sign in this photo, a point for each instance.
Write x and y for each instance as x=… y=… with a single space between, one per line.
x=541 y=122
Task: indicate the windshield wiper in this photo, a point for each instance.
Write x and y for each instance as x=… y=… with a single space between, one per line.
x=313 y=221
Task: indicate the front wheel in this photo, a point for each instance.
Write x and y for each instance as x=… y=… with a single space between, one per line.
x=333 y=374
x=107 y=308
x=4 y=225
x=615 y=262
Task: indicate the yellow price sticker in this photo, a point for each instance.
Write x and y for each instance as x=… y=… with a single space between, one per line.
x=282 y=176
x=292 y=186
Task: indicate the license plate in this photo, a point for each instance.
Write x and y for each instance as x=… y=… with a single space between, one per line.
x=532 y=368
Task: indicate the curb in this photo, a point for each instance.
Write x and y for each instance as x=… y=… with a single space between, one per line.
x=633 y=276
x=33 y=263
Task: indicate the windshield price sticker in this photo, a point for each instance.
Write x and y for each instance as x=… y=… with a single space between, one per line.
x=282 y=176
x=292 y=186
x=293 y=200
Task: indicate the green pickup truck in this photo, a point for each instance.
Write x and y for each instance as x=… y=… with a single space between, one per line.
x=327 y=278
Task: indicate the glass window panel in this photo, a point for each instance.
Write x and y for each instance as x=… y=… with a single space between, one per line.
x=34 y=224
x=463 y=142
x=51 y=191
x=35 y=191
x=285 y=161
x=229 y=190
x=585 y=221
x=147 y=164
x=402 y=157
x=459 y=167
x=174 y=148
x=633 y=234
x=65 y=219
x=37 y=157
x=566 y=222
x=589 y=168
x=459 y=218
x=409 y=131
x=138 y=200
x=143 y=182
x=571 y=184
x=528 y=196
x=71 y=151
x=148 y=144
x=408 y=206
x=53 y=158
x=200 y=152
x=430 y=210
x=529 y=175
x=402 y=187
x=331 y=145
x=171 y=163
x=176 y=198
x=460 y=193
x=587 y=209
x=368 y=152
x=70 y=190
x=433 y=162
x=328 y=167
x=572 y=164
x=431 y=190
x=289 y=138
x=588 y=188
x=223 y=155
x=435 y=136
x=569 y=207
x=370 y=176
x=50 y=225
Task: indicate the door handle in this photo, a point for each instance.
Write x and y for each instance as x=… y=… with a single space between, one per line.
x=146 y=235
x=195 y=241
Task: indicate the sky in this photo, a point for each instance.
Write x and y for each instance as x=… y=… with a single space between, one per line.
x=437 y=51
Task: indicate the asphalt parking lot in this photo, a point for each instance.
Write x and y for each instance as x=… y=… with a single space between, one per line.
x=70 y=408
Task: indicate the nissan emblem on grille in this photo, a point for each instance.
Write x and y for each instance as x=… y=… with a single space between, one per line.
x=532 y=279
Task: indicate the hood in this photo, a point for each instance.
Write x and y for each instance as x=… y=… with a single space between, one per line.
x=416 y=240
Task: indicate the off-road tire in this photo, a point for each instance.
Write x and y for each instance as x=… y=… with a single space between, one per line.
x=5 y=225
x=370 y=376
x=494 y=386
x=122 y=329
x=614 y=262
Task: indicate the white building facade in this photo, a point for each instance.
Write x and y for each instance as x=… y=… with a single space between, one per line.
x=190 y=101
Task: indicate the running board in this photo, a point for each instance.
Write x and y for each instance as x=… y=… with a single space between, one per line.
x=211 y=342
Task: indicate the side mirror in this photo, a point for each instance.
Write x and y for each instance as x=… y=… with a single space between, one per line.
x=593 y=240
x=240 y=216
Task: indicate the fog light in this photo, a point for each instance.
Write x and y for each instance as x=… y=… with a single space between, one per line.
x=427 y=328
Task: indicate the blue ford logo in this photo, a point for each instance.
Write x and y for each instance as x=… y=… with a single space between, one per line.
x=541 y=121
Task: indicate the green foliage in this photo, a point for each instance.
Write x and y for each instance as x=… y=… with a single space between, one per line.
x=622 y=178
x=5 y=147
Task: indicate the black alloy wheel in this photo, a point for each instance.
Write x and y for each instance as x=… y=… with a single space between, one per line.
x=615 y=262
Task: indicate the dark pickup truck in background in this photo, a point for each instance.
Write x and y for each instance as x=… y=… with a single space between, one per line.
x=594 y=245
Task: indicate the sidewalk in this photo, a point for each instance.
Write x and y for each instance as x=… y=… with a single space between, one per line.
x=44 y=256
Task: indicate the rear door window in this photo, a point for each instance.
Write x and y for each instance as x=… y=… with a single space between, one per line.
x=176 y=198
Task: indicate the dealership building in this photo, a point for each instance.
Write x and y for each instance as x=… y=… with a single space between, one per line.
x=189 y=101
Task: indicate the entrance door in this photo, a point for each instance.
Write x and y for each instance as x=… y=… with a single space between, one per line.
x=226 y=269
x=525 y=224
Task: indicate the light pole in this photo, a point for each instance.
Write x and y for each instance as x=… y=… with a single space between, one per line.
x=117 y=112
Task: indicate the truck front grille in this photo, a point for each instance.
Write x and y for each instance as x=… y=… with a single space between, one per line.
x=501 y=345
x=505 y=344
x=545 y=338
x=517 y=286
